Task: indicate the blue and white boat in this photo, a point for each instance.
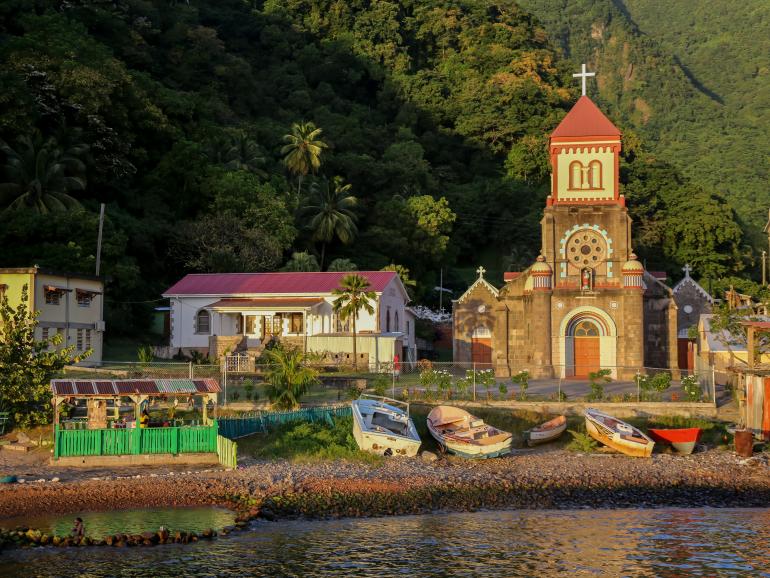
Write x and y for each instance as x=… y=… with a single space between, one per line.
x=382 y=426
x=465 y=435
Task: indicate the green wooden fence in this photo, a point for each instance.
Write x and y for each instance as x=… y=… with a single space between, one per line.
x=227 y=451
x=117 y=442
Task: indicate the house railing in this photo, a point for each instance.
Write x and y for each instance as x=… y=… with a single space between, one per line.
x=117 y=442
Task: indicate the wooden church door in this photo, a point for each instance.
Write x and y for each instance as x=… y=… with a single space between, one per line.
x=587 y=348
x=481 y=346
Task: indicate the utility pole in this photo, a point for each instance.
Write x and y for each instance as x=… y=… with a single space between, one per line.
x=99 y=240
x=441 y=290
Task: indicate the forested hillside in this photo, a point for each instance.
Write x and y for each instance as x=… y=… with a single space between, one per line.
x=226 y=135
x=693 y=78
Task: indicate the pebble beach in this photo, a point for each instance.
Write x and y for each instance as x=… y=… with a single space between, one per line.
x=283 y=489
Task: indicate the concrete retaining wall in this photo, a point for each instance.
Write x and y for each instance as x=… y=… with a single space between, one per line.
x=621 y=410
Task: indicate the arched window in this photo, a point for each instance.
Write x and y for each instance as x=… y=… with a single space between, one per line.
x=595 y=175
x=395 y=322
x=575 y=175
x=387 y=321
x=203 y=322
x=586 y=329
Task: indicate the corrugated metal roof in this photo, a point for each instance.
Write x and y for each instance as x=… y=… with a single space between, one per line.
x=299 y=303
x=272 y=283
x=152 y=387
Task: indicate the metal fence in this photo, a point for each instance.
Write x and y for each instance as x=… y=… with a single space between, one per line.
x=432 y=381
x=261 y=422
x=480 y=382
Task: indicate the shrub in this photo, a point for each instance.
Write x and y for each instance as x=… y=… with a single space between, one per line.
x=652 y=386
x=144 y=354
x=581 y=442
x=249 y=388
x=380 y=384
x=597 y=380
x=691 y=387
x=503 y=389
x=522 y=380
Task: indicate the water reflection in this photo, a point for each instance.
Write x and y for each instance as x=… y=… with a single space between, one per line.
x=514 y=543
x=100 y=524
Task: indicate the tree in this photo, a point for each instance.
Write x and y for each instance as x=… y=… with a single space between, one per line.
x=403 y=274
x=288 y=378
x=41 y=175
x=302 y=151
x=235 y=151
x=353 y=295
x=331 y=213
x=27 y=365
x=302 y=262
x=342 y=265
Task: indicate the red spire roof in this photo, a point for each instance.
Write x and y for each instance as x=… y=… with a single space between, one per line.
x=585 y=119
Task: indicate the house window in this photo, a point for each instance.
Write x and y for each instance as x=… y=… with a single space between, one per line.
x=203 y=322
x=408 y=329
x=88 y=339
x=395 y=322
x=296 y=323
x=45 y=333
x=387 y=321
x=84 y=298
x=343 y=326
x=52 y=297
x=80 y=340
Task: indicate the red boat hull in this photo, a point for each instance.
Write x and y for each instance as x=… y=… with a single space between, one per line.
x=683 y=440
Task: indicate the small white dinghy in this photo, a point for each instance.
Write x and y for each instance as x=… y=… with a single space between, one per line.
x=546 y=432
x=466 y=435
x=382 y=426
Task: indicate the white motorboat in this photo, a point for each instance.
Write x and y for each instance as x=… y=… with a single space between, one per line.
x=382 y=426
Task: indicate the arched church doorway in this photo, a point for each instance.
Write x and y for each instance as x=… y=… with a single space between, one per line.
x=481 y=345
x=586 y=347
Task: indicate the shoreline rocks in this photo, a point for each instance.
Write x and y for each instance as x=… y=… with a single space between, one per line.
x=278 y=490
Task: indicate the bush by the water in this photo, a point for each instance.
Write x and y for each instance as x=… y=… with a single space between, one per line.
x=305 y=441
x=581 y=442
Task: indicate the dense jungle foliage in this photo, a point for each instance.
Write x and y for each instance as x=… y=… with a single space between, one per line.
x=250 y=136
x=691 y=78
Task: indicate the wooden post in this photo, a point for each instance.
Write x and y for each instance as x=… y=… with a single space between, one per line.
x=750 y=347
x=205 y=402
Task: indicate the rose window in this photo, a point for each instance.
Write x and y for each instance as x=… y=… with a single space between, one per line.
x=586 y=249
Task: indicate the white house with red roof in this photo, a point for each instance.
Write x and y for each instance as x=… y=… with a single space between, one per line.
x=219 y=313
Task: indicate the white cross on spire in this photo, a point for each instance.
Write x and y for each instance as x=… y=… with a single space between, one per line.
x=687 y=270
x=481 y=271
x=583 y=75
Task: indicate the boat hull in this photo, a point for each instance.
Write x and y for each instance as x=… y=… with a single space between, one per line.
x=468 y=449
x=615 y=440
x=385 y=443
x=683 y=440
x=537 y=436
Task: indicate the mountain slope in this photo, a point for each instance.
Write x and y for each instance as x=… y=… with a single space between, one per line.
x=691 y=77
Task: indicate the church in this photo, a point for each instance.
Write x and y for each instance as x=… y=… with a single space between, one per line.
x=586 y=303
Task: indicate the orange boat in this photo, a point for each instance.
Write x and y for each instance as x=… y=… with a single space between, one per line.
x=683 y=440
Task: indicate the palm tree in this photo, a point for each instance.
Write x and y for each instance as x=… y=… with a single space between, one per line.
x=288 y=379
x=302 y=151
x=40 y=174
x=301 y=262
x=235 y=151
x=353 y=295
x=331 y=213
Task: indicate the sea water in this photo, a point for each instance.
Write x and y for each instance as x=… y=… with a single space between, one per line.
x=650 y=542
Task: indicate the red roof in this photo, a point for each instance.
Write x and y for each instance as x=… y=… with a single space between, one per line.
x=659 y=275
x=510 y=275
x=585 y=119
x=271 y=283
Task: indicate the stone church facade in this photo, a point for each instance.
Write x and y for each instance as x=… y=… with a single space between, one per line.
x=586 y=303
